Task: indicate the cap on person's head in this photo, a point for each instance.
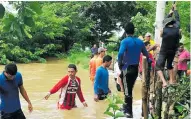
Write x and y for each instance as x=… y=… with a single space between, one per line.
x=148 y=34
x=168 y=21
x=129 y=28
x=101 y=49
x=11 y=69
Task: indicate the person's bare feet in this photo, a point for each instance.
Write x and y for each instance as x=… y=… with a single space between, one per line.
x=164 y=85
x=172 y=82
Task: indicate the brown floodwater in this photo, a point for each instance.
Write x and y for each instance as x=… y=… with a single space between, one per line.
x=39 y=78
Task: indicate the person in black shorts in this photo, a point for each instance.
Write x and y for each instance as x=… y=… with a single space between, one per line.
x=170 y=41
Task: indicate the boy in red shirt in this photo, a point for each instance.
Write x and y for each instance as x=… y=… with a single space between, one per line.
x=70 y=86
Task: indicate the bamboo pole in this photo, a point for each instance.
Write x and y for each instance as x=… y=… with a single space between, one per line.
x=144 y=88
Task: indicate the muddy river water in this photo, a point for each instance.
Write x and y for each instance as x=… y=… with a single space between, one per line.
x=39 y=78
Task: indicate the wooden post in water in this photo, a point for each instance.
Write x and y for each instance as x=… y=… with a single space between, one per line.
x=159 y=98
x=144 y=88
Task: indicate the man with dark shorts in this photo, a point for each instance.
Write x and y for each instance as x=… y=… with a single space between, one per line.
x=128 y=60
x=10 y=84
x=170 y=41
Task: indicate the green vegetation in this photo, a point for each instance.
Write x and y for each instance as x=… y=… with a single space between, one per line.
x=113 y=107
x=78 y=56
x=34 y=31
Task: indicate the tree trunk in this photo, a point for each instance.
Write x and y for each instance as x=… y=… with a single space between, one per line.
x=144 y=88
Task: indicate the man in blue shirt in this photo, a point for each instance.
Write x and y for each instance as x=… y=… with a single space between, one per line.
x=128 y=61
x=101 y=83
x=10 y=84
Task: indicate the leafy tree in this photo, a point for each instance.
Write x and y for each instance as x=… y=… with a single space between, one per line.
x=110 y=16
x=144 y=22
x=63 y=23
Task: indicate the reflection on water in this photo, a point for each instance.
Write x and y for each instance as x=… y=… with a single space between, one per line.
x=40 y=78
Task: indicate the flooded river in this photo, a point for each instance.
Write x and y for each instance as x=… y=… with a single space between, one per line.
x=39 y=78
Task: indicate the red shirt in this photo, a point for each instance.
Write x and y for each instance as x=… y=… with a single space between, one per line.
x=183 y=65
x=69 y=89
x=152 y=59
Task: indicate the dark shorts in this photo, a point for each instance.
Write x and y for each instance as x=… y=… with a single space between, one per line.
x=101 y=94
x=14 y=115
x=129 y=77
x=164 y=57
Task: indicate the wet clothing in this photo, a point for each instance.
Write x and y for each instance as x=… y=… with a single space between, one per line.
x=169 y=46
x=9 y=93
x=92 y=68
x=101 y=81
x=14 y=115
x=129 y=52
x=69 y=89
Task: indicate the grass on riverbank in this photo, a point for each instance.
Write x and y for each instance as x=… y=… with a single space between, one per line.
x=82 y=58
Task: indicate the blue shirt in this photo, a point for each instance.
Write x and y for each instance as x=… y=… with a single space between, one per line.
x=129 y=51
x=101 y=80
x=9 y=93
x=93 y=50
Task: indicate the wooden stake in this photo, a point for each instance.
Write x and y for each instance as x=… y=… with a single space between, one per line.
x=159 y=99
x=144 y=88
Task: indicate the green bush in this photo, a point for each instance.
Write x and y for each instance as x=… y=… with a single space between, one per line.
x=113 y=107
x=61 y=55
x=77 y=58
x=4 y=60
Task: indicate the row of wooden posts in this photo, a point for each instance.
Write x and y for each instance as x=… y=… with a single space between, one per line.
x=157 y=87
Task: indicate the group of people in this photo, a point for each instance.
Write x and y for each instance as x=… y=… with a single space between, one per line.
x=99 y=75
x=131 y=48
x=127 y=69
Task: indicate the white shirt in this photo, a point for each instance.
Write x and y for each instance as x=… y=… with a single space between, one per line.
x=117 y=71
